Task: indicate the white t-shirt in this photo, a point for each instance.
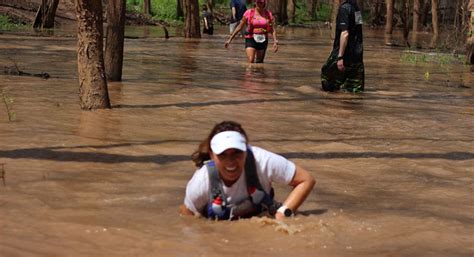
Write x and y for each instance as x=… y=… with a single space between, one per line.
x=270 y=168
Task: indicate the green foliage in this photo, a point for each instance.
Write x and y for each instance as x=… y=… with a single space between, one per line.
x=323 y=13
x=164 y=9
x=7 y=24
x=439 y=58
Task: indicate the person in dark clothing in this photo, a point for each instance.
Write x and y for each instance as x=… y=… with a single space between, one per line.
x=207 y=20
x=344 y=68
x=237 y=8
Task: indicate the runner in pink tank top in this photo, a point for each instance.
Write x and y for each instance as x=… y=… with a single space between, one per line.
x=260 y=23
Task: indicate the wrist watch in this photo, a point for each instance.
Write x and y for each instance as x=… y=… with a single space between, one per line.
x=287 y=212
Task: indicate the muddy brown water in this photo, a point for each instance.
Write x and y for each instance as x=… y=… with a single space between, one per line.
x=394 y=165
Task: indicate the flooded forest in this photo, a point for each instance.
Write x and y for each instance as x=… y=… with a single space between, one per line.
x=394 y=164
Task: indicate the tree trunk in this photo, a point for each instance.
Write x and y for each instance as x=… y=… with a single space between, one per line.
x=335 y=10
x=389 y=20
x=210 y=6
x=179 y=9
x=376 y=13
x=470 y=40
x=311 y=7
x=146 y=7
x=192 y=25
x=93 y=92
x=416 y=22
x=291 y=10
x=279 y=11
x=425 y=11
x=283 y=14
x=434 y=18
x=416 y=16
x=404 y=15
x=115 y=39
x=45 y=15
x=360 y=3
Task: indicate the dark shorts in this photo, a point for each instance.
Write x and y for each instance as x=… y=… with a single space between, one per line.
x=250 y=42
x=351 y=79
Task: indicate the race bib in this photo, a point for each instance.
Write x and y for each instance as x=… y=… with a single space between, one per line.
x=358 y=18
x=259 y=38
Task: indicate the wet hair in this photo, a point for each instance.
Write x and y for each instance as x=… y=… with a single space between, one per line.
x=203 y=153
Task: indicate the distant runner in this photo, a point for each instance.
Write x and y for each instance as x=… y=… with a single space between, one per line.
x=345 y=67
x=260 y=24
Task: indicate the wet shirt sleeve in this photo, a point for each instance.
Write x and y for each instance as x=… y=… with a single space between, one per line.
x=197 y=191
x=342 y=21
x=273 y=168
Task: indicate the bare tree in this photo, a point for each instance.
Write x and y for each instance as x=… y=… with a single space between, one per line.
x=310 y=5
x=360 y=3
x=416 y=15
x=470 y=40
x=192 y=25
x=45 y=15
x=146 y=7
x=291 y=7
x=115 y=39
x=335 y=10
x=416 y=21
x=404 y=16
x=179 y=9
x=93 y=92
x=434 y=19
x=389 y=20
x=376 y=12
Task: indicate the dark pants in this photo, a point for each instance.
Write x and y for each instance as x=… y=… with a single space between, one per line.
x=351 y=79
x=209 y=31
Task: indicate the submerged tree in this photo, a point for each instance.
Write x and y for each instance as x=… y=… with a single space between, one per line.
x=389 y=19
x=115 y=39
x=93 y=92
x=192 y=25
x=434 y=20
x=179 y=9
x=146 y=7
x=335 y=10
x=45 y=15
x=416 y=21
x=470 y=40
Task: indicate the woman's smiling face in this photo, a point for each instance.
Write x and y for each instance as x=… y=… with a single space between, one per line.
x=230 y=164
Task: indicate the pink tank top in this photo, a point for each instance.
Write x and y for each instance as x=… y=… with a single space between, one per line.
x=258 y=24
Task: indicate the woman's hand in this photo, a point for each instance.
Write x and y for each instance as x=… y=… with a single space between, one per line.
x=279 y=216
x=275 y=46
x=227 y=43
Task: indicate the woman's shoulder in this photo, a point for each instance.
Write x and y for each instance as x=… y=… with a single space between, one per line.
x=249 y=12
x=201 y=174
x=259 y=152
x=268 y=13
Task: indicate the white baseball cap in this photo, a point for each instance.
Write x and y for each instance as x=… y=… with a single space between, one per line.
x=227 y=140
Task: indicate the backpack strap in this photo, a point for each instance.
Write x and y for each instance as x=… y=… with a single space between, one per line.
x=217 y=204
x=251 y=171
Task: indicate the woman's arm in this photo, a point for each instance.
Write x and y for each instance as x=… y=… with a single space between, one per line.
x=303 y=183
x=275 y=41
x=183 y=210
x=241 y=25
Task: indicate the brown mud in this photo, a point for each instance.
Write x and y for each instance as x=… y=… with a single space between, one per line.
x=394 y=165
